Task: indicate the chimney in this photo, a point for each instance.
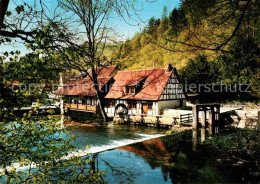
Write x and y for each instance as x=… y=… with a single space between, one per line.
x=168 y=68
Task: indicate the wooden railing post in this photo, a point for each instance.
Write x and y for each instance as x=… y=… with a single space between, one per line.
x=203 y=118
x=211 y=116
x=195 y=117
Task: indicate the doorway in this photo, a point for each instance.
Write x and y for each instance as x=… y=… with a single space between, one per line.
x=144 y=108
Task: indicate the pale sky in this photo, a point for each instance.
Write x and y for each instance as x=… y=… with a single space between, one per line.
x=148 y=9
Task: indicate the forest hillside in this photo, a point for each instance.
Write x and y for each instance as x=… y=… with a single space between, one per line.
x=208 y=41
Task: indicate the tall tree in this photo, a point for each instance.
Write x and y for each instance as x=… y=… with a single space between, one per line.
x=27 y=141
x=165 y=12
x=93 y=18
x=211 y=25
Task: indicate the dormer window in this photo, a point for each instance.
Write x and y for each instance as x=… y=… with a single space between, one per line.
x=130 y=90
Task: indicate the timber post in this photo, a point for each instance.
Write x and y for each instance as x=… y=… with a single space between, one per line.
x=195 y=117
x=211 y=116
x=213 y=119
x=203 y=134
x=203 y=118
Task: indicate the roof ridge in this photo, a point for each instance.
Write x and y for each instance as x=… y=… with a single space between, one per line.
x=141 y=70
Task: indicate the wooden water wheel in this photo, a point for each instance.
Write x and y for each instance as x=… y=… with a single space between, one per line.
x=121 y=111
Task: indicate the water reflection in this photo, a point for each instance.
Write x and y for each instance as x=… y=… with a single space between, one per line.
x=180 y=158
x=159 y=153
x=203 y=134
x=194 y=139
x=170 y=159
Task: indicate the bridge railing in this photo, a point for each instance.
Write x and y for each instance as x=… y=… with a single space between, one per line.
x=186 y=119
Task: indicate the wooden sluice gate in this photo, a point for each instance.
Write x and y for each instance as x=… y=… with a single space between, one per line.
x=213 y=115
x=204 y=115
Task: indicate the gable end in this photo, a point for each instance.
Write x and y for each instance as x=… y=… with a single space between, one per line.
x=173 y=90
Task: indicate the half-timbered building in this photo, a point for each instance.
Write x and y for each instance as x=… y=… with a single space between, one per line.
x=145 y=91
x=79 y=94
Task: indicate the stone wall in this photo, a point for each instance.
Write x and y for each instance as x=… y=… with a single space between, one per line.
x=247 y=118
x=175 y=112
x=149 y=120
x=246 y=106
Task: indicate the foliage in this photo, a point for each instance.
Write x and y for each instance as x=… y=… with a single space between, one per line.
x=239 y=66
x=33 y=147
x=240 y=145
x=36 y=150
x=242 y=63
x=199 y=71
x=208 y=41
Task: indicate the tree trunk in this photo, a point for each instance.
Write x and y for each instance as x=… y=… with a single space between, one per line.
x=3 y=9
x=1 y=93
x=100 y=99
x=61 y=99
x=93 y=163
x=101 y=106
x=1 y=112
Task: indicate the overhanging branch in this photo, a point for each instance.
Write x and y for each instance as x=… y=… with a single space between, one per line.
x=23 y=35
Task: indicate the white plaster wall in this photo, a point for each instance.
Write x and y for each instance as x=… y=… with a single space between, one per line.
x=167 y=105
x=175 y=112
x=155 y=111
x=139 y=107
x=110 y=110
x=132 y=111
x=154 y=108
x=150 y=112
x=121 y=102
x=157 y=108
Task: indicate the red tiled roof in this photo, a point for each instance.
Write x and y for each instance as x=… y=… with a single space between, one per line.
x=153 y=80
x=85 y=86
x=106 y=71
x=101 y=71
